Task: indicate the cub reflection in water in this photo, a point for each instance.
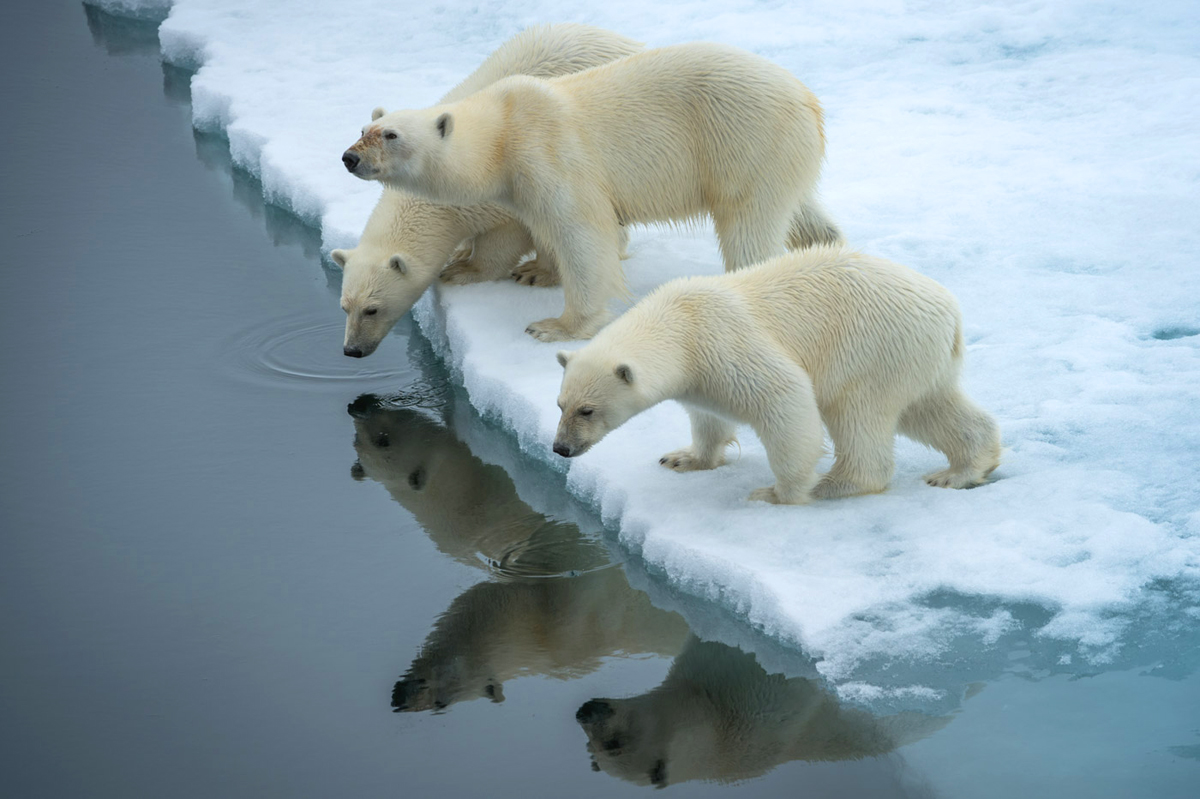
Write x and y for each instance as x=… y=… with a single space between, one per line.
x=469 y=509
x=719 y=716
x=534 y=620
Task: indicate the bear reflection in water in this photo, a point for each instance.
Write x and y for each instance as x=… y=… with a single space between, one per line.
x=469 y=509
x=535 y=619
x=719 y=716
x=557 y=627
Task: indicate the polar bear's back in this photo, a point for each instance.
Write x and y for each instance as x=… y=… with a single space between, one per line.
x=844 y=315
x=546 y=51
x=712 y=121
x=853 y=322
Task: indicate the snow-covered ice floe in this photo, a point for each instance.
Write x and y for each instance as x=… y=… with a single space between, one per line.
x=1040 y=159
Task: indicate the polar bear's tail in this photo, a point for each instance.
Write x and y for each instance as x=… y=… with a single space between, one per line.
x=811 y=226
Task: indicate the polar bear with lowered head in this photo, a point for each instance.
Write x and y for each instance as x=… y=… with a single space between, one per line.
x=662 y=136
x=867 y=346
x=407 y=241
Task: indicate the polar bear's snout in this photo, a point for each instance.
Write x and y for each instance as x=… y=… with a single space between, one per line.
x=351 y=160
x=594 y=711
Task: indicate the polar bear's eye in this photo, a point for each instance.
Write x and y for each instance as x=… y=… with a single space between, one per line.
x=370 y=312
x=391 y=134
x=586 y=411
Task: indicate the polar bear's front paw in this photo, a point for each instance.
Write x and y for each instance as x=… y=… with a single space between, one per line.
x=535 y=273
x=551 y=329
x=460 y=273
x=686 y=460
x=949 y=478
x=554 y=329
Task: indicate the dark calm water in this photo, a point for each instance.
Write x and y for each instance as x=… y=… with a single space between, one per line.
x=235 y=563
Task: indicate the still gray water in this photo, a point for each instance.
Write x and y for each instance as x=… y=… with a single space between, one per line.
x=236 y=563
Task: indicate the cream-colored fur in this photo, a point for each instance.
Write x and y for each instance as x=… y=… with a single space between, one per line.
x=558 y=627
x=407 y=241
x=662 y=136
x=719 y=716
x=469 y=509
x=867 y=346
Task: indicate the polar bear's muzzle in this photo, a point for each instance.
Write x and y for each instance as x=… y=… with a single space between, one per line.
x=567 y=451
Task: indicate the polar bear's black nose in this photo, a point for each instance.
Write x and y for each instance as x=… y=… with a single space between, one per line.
x=352 y=352
x=562 y=449
x=350 y=159
x=592 y=711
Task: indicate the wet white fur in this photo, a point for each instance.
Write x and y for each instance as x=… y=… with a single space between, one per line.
x=424 y=236
x=666 y=135
x=867 y=346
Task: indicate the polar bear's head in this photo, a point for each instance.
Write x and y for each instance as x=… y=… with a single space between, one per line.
x=599 y=394
x=396 y=148
x=429 y=686
x=651 y=739
x=395 y=446
x=378 y=287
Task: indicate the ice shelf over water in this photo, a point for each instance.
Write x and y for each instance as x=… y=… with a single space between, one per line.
x=1040 y=159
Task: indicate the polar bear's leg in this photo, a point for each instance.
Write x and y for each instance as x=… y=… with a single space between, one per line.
x=590 y=268
x=710 y=435
x=750 y=232
x=863 y=439
x=948 y=421
x=811 y=226
x=494 y=253
x=789 y=426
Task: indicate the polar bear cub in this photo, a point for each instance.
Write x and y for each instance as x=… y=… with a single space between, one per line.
x=662 y=136
x=868 y=347
x=407 y=241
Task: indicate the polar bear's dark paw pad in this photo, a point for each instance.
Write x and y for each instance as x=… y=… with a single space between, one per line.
x=533 y=273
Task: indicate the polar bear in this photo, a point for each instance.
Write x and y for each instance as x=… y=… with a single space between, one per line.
x=468 y=508
x=867 y=346
x=720 y=716
x=662 y=136
x=562 y=627
x=407 y=241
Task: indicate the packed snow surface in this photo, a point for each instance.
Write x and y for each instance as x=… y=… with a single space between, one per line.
x=1040 y=159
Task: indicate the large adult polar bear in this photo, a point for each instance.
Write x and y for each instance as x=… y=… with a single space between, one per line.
x=825 y=334
x=407 y=241
x=665 y=135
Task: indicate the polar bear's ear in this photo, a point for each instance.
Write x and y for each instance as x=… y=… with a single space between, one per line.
x=397 y=262
x=339 y=258
x=378 y=112
x=563 y=356
x=624 y=373
x=494 y=691
x=445 y=125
